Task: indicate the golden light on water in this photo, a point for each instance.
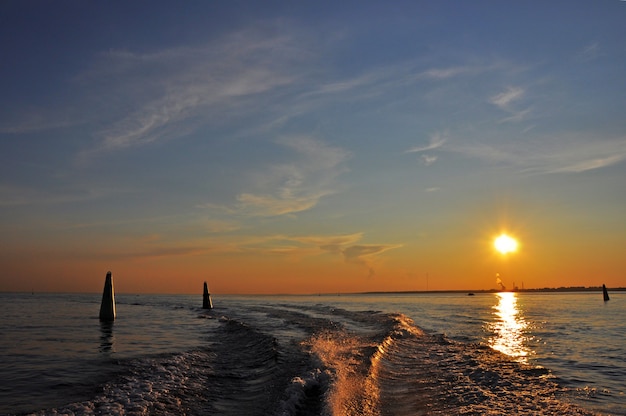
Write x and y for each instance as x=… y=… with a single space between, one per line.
x=508 y=327
x=505 y=244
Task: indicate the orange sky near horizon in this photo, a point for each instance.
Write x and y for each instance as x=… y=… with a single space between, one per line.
x=425 y=264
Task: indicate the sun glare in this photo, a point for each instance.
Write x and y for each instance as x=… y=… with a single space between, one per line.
x=505 y=244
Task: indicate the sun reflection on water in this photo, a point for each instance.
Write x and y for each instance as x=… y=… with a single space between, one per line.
x=508 y=328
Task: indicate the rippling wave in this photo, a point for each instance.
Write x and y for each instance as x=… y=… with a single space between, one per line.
x=325 y=361
x=256 y=357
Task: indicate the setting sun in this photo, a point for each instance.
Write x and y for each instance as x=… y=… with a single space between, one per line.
x=505 y=244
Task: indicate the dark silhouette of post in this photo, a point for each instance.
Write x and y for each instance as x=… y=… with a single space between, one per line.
x=206 y=298
x=107 y=307
x=605 y=293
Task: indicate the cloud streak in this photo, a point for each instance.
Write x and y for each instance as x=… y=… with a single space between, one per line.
x=19 y=195
x=436 y=140
x=364 y=255
x=580 y=157
x=333 y=243
x=428 y=159
x=570 y=153
x=191 y=85
x=446 y=73
x=505 y=98
x=296 y=185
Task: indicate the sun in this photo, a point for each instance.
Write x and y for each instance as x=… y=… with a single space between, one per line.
x=505 y=244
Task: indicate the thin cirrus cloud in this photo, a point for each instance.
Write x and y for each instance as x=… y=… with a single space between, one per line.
x=579 y=155
x=345 y=245
x=20 y=196
x=292 y=186
x=445 y=73
x=350 y=84
x=188 y=84
x=145 y=251
x=37 y=120
x=436 y=140
x=365 y=254
x=428 y=159
x=593 y=163
x=567 y=153
x=504 y=99
x=386 y=80
x=333 y=243
x=589 y=52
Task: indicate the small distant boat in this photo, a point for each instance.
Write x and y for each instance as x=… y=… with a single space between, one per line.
x=605 y=293
x=470 y=294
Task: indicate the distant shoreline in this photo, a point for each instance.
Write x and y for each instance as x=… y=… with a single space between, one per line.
x=517 y=290
x=396 y=292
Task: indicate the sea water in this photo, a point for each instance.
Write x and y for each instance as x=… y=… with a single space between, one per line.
x=383 y=354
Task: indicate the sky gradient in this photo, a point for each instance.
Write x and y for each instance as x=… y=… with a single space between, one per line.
x=306 y=147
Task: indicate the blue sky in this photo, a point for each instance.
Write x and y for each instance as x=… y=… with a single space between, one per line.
x=376 y=138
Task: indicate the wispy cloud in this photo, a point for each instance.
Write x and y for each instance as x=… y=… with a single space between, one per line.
x=589 y=52
x=345 y=245
x=349 y=84
x=436 y=140
x=332 y=243
x=506 y=101
x=505 y=98
x=567 y=153
x=36 y=120
x=428 y=159
x=195 y=85
x=591 y=164
x=385 y=81
x=221 y=226
x=517 y=116
x=464 y=69
x=295 y=185
x=271 y=205
x=361 y=254
x=579 y=156
x=11 y=195
x=143 y=251
x=158 y=252
x=444 y=73
x=171 y=93
x=365 y=254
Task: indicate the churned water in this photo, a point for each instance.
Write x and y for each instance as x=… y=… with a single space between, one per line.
x=387 y=354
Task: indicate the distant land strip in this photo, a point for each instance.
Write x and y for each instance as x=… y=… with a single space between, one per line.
x=537 y=290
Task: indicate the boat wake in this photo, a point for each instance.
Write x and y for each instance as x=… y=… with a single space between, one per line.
x=304 y=360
